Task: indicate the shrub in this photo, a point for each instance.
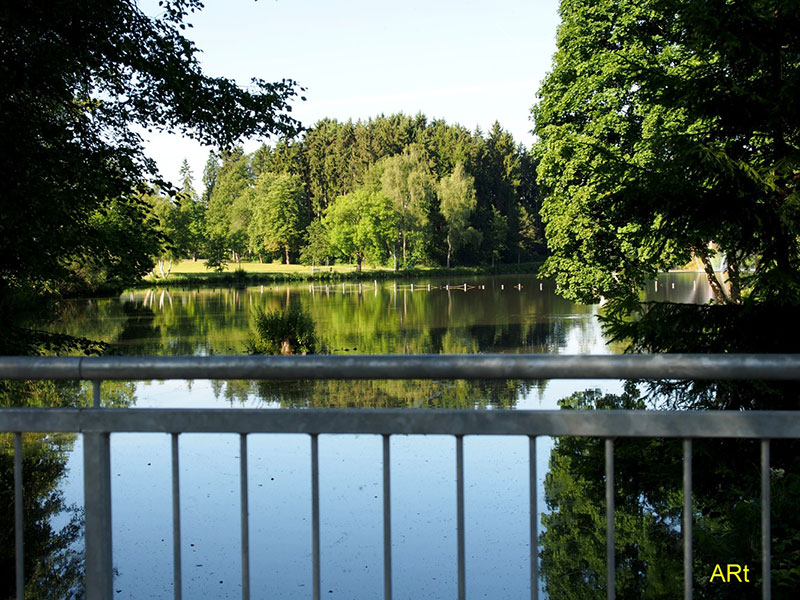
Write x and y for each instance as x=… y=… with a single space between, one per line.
x=283 y=332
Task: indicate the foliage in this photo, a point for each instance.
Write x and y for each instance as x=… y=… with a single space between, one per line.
x=289 y=331
x=226 y=217
x=216 y=254
x=210 y=174
x=53 y=565
x=457 y=201
x=279 y=215
x=409 y=184
x=316 y=249
x=53 y=560
x=529 y=236
x=191 y=216
x=670 y=132
x=362 y=225
x=648 y=484
x=647 y=546
x=336 y=158
x=667 y=130
x=498 y=232
x=402 y=158
x=126 y=239
x=80 y=81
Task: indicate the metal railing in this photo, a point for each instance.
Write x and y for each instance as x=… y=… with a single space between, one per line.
x=96 y=424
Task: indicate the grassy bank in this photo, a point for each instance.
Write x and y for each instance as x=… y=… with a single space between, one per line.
x=191 y=273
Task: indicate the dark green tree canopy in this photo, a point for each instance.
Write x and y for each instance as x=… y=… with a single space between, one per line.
x=80 y=80
x=670 y=130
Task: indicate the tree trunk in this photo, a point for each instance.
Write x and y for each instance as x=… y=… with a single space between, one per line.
x=449 y=250
x=359 y=258
x=286 y=251
x=734 y=281
x=719 y=293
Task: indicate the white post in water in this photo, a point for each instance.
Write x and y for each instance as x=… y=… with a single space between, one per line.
x=465 y=287
x=412 y=287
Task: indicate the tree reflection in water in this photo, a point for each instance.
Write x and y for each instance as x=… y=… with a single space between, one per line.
x=648 y=487
x=53 y=557
x=52 y=529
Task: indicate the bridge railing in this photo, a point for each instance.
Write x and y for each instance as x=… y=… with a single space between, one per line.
x=96 y=424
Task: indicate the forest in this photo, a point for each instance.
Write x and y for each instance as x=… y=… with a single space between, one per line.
x=394 y=191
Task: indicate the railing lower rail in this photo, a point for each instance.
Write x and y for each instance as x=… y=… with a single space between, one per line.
x=97 y=423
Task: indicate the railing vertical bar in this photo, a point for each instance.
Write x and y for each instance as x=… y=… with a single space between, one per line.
x=460 y=516
x=766 y=531
x=176 y=521
x=18 y=522
x=96 y=393
x=387 y=520
x=245 y=517
x=315 y=514
x=534 y=518
x=610 y=579
x=688 y=566
x=97 y=505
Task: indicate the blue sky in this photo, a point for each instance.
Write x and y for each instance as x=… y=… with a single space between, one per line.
x=467 y=62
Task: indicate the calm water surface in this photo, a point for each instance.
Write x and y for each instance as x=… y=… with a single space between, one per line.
x=508 y=314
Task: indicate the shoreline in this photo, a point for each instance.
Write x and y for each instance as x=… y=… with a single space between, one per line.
x=244 y=277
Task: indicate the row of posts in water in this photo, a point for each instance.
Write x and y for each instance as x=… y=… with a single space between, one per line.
x=423 y=287
x=150 y=295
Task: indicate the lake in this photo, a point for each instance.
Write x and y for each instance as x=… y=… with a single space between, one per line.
x=497 y=314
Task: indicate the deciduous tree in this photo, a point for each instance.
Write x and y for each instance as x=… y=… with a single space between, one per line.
x=456 y=202
x=362 y=225
x=78 y=79
x=408 y=182
x=279 y=214
x=670 y=130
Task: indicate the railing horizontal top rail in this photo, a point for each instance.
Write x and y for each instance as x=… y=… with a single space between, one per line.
x=418 y=366
x=600 y=423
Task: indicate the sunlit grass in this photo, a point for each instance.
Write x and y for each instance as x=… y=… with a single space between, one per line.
x=199 y=266
x=189 y=272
